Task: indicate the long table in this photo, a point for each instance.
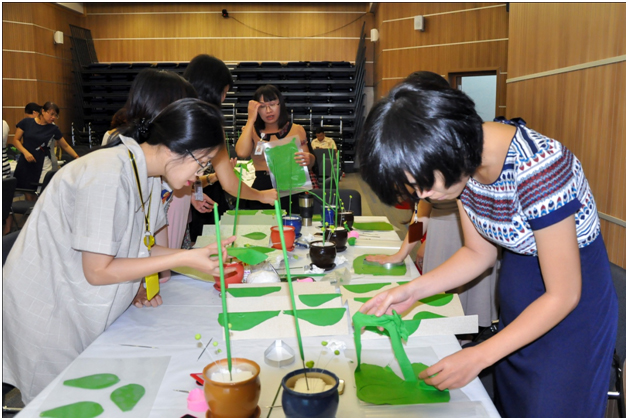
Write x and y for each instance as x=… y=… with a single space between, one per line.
x=158 y=346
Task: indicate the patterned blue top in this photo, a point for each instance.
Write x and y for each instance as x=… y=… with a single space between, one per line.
x=541 y=183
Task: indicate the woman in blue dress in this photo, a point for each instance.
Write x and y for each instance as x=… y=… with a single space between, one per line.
x=528 y=193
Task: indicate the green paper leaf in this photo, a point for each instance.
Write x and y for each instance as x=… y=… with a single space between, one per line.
x=362 y=300
x=364 y=288
x=255 y=235
x=83 y=409
x=126 y=397
x=320 y=317
x=441 y=299
x=289 y=175
x=380 y=385
x=375 y=269
x=263 y=249
x=252 y=291
x=97 y=381
x=241 y=321
x=247 y=255
x=317 y=218
x=317 y=299
x=379 y=226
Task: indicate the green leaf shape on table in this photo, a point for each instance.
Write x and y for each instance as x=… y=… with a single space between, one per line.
x=362 y=300
x=247 y=255
x=401 y=283
x=411 y=324
x=440 y=299
x=255 y=235
x=126 y=397
x=83 y=409
x=289 y=175
x=364 y=288
x=242 y=212
x=272 y=212
x=317 y=218
x=242 y=321
x=317 y=299
x=252 y=291
x=320 y=317
x=375 y=269
x=380 y=385
x=97 y=381
x=379 y=226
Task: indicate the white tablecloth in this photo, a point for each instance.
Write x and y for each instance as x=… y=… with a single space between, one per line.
x=191 y=307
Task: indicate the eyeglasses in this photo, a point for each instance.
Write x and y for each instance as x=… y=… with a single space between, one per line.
x=202 y=167
x=269 y=105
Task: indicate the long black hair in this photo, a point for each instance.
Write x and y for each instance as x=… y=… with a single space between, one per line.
x=151 y=92
x=420 y=127
x=270 y=93
x=209 y=76
x=186 y=124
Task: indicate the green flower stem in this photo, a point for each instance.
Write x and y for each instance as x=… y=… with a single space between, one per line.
x=223 y=288
x=289 y=277
x=235 y=220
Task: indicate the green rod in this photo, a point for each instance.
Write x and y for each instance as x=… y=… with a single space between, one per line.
x=223 y=290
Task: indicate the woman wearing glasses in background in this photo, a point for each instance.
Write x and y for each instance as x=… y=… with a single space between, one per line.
x=268 y=121
x=33 y=138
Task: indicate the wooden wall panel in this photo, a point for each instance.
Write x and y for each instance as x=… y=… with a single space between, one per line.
x=459 y=37
x=30 y=53
x=547 y=36
x=583 y=109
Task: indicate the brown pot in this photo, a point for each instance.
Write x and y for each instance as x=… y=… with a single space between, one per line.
x=232 y=399
x=345 y=217
x=322 y=254
x=338 y=237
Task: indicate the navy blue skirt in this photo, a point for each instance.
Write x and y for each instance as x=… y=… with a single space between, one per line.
x=566 y=372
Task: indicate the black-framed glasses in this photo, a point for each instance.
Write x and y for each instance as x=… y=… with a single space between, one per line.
x=202 y=167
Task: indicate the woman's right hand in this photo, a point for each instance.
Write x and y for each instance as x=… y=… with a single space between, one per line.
x=253 y=109
x=30 y=158
x=383 y=259
x=398 y=299
x=201 y=259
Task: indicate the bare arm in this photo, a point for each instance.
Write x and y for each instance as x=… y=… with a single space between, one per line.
x=65 y=146
x=100 y=269
x=17 y=142
x=229 y=181
x=559 y=258
x=244 y=145
x=475 y=256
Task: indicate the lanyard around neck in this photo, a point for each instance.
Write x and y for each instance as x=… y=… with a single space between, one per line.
x=149 y=239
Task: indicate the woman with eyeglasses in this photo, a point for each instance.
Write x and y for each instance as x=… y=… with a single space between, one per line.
x=268 y=121
x=34 y=139
x=79 y=260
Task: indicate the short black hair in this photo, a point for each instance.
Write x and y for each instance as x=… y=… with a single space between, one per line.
x=270 y=93
x=429 y=77
x=209 y=76
x=319 y=129
x=32 y=107
x=420 y=127
x=48 y=106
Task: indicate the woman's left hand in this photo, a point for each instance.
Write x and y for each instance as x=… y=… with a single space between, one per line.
x=141 y=299
x=302 y=158
x=455 y=371
x=205 y=206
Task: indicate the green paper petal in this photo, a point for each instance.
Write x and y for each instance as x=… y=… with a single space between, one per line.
x=263 y=249
x=241 y=321
x=251 y=291
x=126 y=397
x=379 y=226
x=320 y=317
x=98 y=381
x=242 y=212
x=317 y=299
x=247 y=255
x=83 y=409
x=376 y=270
x=255 y=235
x=364 y=288
x=438 y=300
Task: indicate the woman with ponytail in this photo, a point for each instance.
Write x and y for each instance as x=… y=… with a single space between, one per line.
x=79 y=261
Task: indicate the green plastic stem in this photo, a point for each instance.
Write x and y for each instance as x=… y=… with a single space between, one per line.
x=223 y=288
x=289 y=277
x=324 y=194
